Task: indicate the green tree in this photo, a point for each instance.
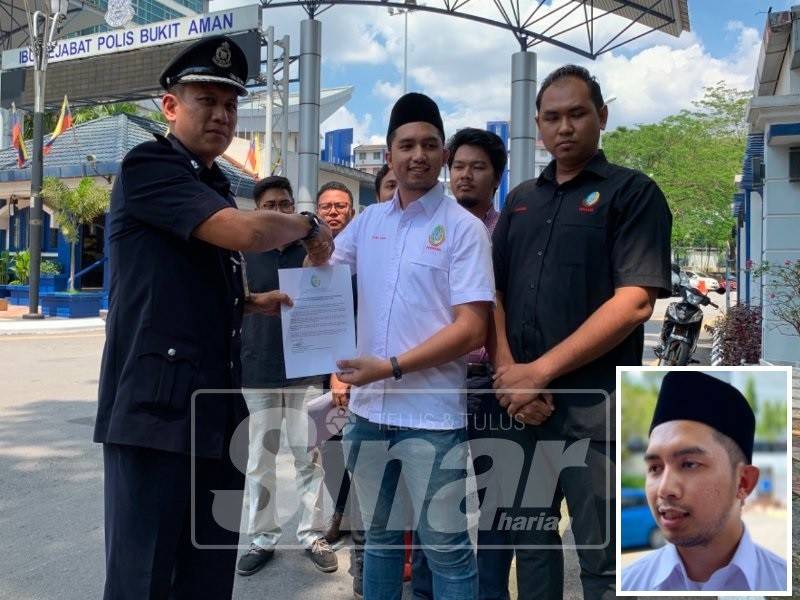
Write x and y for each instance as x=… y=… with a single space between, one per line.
x=693 y=157
x=74 y=208
x=638 y=405
x=99 y=111
x=771 y=421
x=79 y=115
x=751 y=393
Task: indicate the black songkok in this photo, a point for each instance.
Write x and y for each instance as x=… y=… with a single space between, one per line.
x=414 y=108
x=695 y=396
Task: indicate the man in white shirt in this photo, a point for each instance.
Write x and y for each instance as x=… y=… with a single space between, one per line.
x=425 y=288
x=698 y=477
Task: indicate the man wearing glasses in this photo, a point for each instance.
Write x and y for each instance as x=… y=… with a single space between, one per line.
x=272 y=399
x=335 y=206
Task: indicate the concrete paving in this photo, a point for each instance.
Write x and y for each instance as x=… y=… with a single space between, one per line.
x=51 y=500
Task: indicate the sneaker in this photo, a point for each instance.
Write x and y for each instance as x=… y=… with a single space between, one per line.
x=334 y=532
x=323 y=556
x=254 y=560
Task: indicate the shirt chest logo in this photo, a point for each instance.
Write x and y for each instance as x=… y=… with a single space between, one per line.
x=436 y=238
x=589 y=203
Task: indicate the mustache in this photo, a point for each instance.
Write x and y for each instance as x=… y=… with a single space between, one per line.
x=666 y=507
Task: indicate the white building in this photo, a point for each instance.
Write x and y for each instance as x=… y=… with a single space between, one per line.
x=252 y=119
x=369 y=157
x=769 y=204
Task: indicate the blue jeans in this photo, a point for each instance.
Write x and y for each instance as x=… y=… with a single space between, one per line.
x=494 y=565
x=432 y=465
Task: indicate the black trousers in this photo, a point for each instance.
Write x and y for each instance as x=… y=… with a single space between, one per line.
x=590 y=493
x=166 y=538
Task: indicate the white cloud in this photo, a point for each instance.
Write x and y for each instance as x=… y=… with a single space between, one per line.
x=387 y=91
x=466 y=65
x=344 y=119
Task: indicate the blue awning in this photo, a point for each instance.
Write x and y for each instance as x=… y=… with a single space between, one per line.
x=737 y=205
x=754 y=149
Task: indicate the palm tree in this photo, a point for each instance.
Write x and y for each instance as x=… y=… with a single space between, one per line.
x=81 y=115
x=74 y=208
x=90 y=113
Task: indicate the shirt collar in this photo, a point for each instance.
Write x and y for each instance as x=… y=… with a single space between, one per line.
x=491 y=215
x=213 y=173
x=744 y=559
x=429 y=201
x=668 y=562
x=598 y=165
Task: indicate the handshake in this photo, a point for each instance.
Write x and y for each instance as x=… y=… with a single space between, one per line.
x=319 y=246
x=318 y=243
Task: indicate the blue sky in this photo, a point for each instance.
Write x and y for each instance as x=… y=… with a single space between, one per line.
x=465 y=66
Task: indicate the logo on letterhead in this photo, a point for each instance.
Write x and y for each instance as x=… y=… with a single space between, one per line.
x=436 y=238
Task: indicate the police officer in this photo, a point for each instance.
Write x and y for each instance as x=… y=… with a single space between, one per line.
x=173 y=477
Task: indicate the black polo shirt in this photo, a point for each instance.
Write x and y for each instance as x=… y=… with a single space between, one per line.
x=559 y=253
x=175 y=307
x=262 y=338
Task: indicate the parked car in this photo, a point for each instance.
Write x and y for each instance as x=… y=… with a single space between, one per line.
x=729 y=285
x=638 y=526
x=695 y=277
x=679 y=278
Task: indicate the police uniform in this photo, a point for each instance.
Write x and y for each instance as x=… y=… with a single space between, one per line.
x=174 y=327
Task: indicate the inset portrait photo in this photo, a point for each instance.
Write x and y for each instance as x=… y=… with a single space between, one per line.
x=704 y=476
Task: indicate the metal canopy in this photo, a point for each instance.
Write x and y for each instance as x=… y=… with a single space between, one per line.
x=14 y=20
x=535 y=21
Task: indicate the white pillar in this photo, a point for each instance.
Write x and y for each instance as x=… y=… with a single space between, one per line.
x=523 y=109
x=308 y=151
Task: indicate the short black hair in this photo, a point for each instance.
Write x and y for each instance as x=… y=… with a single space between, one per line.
x=335 y=185
x=382 y=172
x=573 y=71
x=272 y=182
x=489 y=142
x=732 y=449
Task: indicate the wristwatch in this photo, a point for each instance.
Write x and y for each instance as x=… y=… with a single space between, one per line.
x=398 y=374
x=314 y=222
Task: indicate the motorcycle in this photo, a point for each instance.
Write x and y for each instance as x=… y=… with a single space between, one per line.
x=681 y=328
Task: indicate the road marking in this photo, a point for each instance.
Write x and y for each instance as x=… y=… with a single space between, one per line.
x=51 y=336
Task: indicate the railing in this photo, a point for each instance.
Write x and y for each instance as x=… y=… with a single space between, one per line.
x=83 y=272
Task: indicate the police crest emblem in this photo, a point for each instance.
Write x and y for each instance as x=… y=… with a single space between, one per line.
x=222 y=57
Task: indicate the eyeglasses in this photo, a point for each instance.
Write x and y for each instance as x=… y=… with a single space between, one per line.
x=283 y=206
x=328 y=207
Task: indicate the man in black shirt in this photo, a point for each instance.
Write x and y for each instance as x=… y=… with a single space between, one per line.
x=274 y=400
x=580 y=255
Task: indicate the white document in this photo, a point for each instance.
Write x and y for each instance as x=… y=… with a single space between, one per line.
x=320 y=328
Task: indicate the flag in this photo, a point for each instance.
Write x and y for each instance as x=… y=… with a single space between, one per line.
x=64 y=123
x=251 y=163
x=16 y=138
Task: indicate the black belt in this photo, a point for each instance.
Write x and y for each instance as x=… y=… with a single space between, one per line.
x=479 y=369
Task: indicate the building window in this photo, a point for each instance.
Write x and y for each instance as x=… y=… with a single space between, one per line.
x=52 y=239
x=376 y=155
x=362 y=156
